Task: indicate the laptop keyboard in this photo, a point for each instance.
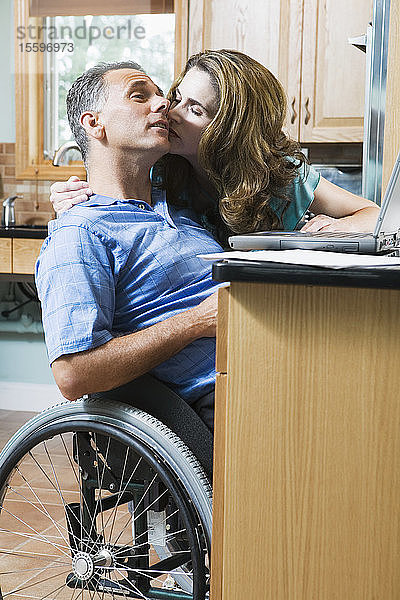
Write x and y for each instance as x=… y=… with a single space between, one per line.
x=337 y=234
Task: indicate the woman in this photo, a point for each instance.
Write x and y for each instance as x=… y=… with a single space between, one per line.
x=230 y=160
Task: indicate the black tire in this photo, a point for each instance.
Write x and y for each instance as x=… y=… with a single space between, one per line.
x=50 y=474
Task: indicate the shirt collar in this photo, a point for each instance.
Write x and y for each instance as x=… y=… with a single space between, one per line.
x=157 y=195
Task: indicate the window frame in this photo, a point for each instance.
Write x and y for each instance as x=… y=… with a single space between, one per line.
x=29 y=99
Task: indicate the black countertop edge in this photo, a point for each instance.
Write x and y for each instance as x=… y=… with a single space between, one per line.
x=261 y=272
x=22 y=232
x=28 y=277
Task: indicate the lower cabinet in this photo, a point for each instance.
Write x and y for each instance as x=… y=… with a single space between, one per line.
x=306 y=443
x=25 y=253
x=18 y=255
x=5 y=255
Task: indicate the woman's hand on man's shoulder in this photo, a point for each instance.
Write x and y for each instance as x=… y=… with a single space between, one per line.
x=65 y=194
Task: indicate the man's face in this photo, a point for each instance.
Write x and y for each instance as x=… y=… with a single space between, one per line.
x=134 y=115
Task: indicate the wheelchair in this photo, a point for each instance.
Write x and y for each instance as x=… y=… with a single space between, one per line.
x=108 y=497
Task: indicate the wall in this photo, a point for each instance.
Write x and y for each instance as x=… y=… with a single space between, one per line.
x=26 y=382
x=34 y=207
x=7 y=109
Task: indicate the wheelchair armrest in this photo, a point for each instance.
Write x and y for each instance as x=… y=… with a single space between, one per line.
x=154 y=397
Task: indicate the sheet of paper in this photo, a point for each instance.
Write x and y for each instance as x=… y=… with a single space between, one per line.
x=313 y=258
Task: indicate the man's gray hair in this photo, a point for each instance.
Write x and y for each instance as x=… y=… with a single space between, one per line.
x=90 y=92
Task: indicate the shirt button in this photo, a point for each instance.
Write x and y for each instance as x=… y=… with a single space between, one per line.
x=142 y=206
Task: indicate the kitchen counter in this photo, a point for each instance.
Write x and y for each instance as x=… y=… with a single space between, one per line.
x=307 y=439
x=261 y=272
x=37 y=232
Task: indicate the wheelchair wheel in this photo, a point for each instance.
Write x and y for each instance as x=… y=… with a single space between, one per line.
x=101 y=500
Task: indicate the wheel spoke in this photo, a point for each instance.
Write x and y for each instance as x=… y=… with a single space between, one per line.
x=129 y=522
x=121 y=492
x=99 y=498
x=114 y=512
x=100 y=483
x=163 y=521
x=30 y=570
x=52 y=484
x=58 y=590
x=172 y=553
x=149 y=506
x=40 y=538
x=58 y=487
x=156 y=572
x=38 y=583
x=43 y=512
x=82 y=499
x=119 y=495
x=25 y=554
x=167 y=538
x=131 y=584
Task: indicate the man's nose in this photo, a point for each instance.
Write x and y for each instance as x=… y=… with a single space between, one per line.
x=161 y=105
x=173 y=113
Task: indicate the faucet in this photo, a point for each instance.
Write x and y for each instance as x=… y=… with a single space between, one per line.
x=8 y=215
x=62 y=151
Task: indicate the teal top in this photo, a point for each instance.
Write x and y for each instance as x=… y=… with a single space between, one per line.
x=300 y=193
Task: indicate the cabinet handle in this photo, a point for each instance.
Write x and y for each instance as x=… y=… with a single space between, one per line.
x=308 y=114
x=294 y=113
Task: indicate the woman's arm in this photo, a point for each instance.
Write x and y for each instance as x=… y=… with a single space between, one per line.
x=337 y=209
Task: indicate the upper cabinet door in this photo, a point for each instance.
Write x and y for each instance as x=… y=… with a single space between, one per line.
x=305 y=44
x=244 y=25
x=333 y=71
x=269 y=31
x=289 y=64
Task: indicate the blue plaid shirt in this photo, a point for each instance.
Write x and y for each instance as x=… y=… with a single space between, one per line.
x=111 y=267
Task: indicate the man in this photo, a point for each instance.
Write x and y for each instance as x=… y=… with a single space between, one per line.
x=118 y=273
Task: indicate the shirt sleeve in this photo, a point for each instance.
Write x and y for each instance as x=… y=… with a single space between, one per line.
x=301 y=194
x=76 y=285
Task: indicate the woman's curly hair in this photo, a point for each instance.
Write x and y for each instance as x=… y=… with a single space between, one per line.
x=244 y=150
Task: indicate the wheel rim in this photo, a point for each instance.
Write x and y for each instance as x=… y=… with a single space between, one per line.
x=58 y=541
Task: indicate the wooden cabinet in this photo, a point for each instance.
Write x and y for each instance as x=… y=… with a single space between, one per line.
x=18 y=255
x=331 y=100
x=304 y=43
x=307 y=443
x=5 y=255
x=251 y=27
x=25 y=253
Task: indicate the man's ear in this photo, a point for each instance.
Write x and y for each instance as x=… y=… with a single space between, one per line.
x=91 y=124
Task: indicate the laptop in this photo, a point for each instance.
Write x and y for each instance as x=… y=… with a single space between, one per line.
x=386 y=236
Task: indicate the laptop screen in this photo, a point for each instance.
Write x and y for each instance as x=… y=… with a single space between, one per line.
x=389 y=216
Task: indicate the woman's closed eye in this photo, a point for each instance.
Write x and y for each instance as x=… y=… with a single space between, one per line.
x=193 y=108
x=196 y=110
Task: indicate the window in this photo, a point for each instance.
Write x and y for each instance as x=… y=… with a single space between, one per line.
x=145 y=39
x=51 y=51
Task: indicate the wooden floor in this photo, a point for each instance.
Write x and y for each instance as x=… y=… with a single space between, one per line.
x=10 y=422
